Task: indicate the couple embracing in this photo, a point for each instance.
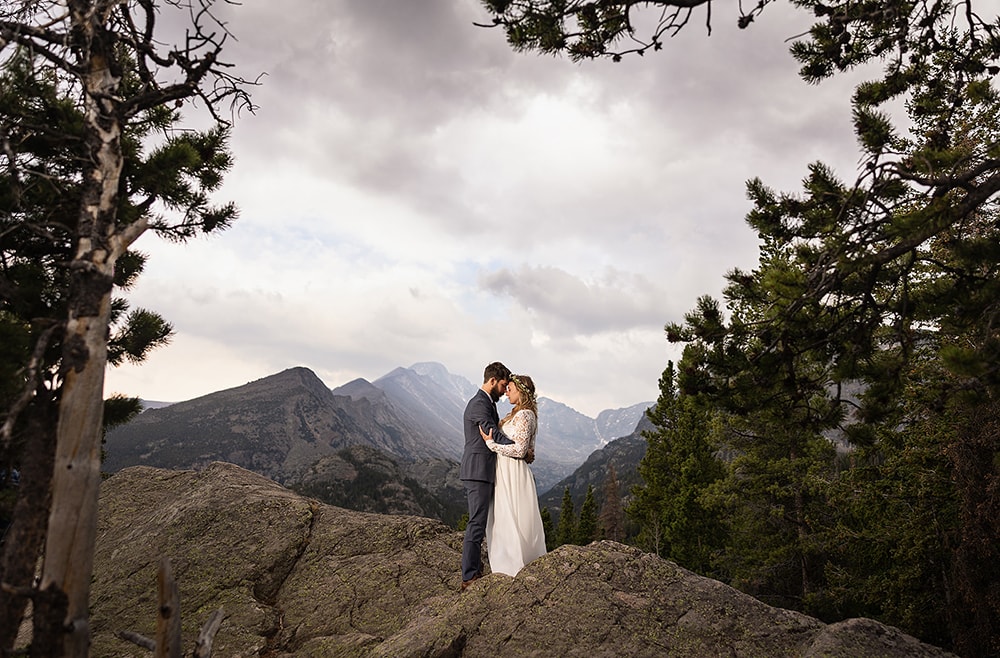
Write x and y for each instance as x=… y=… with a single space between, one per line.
x=503 y=501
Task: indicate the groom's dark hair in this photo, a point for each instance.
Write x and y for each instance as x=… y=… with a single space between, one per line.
x=497 y=371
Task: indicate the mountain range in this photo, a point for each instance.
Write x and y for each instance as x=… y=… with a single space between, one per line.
x=391 y=445
x=621 y=456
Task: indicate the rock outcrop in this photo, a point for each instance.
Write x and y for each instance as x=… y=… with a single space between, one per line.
x=300 y=578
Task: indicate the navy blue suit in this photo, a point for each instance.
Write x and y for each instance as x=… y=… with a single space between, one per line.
x=478 y=474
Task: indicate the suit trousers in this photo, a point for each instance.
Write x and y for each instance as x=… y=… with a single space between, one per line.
x=479 y=494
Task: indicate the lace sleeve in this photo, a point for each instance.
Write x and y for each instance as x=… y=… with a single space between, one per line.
x=521 y=430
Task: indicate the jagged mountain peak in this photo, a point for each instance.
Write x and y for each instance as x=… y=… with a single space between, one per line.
x=269 y=389
x=549 y=402
x=431 y=369
x=360 y=389
x=277 y=425
x=288 y=379
x=446 y=380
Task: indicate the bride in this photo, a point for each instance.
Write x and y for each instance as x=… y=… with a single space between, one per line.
x=514 y=533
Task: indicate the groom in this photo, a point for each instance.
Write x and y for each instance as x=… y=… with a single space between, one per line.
x=479 y=465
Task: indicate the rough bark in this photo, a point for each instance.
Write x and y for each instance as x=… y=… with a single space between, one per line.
x=26 y=535
x=76 y=479
x=976 y=458
x=168 y=622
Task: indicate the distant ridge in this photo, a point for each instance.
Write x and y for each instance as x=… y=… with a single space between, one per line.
x=623 y=454
x=430 y=405
x=359 y=389
x=275 y=426
x=154 y=404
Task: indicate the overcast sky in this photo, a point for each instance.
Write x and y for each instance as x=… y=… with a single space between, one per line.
x=413 y=190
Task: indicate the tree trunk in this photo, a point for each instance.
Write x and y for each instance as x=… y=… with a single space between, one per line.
x=803 y=541
x=26 y=535
x=976 y=459
x=69 y=548
x=168 y=621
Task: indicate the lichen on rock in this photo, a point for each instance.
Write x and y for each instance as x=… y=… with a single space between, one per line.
x=298 y=578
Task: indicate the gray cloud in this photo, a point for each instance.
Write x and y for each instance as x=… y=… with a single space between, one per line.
x=564 y=304
x=413 y=190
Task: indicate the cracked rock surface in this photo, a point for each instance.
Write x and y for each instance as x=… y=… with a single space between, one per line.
x=301 y=579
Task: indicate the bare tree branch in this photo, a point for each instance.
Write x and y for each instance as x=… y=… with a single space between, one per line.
x=31 y=380
x=135 y=638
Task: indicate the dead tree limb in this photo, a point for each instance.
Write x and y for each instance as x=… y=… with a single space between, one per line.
x=203 y=647
x=168 y=621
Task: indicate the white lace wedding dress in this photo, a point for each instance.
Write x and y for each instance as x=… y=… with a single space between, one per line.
x=514 y=533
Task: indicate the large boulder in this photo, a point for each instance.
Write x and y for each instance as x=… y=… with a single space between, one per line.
x=299 y=578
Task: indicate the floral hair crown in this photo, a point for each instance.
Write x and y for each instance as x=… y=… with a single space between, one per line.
x=521 y=386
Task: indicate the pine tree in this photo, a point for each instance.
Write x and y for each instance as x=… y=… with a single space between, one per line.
x=566 y=530
x=586 y=528
x=550 y=532
x=679 y=469
x=780 y=373
x=649 y=499
x=92 y=159
x=895 y=515
x=770 y=403
x=910 y=543
x=612 y=516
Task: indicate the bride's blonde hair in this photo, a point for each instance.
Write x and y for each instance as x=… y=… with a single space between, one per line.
x=528 y=401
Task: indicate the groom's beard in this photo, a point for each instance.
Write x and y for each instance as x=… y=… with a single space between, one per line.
x=495 y=394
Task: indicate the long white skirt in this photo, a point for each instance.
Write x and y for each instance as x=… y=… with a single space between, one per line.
x=514 y=534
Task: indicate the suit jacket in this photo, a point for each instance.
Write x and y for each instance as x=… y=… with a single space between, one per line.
x=478 y=461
